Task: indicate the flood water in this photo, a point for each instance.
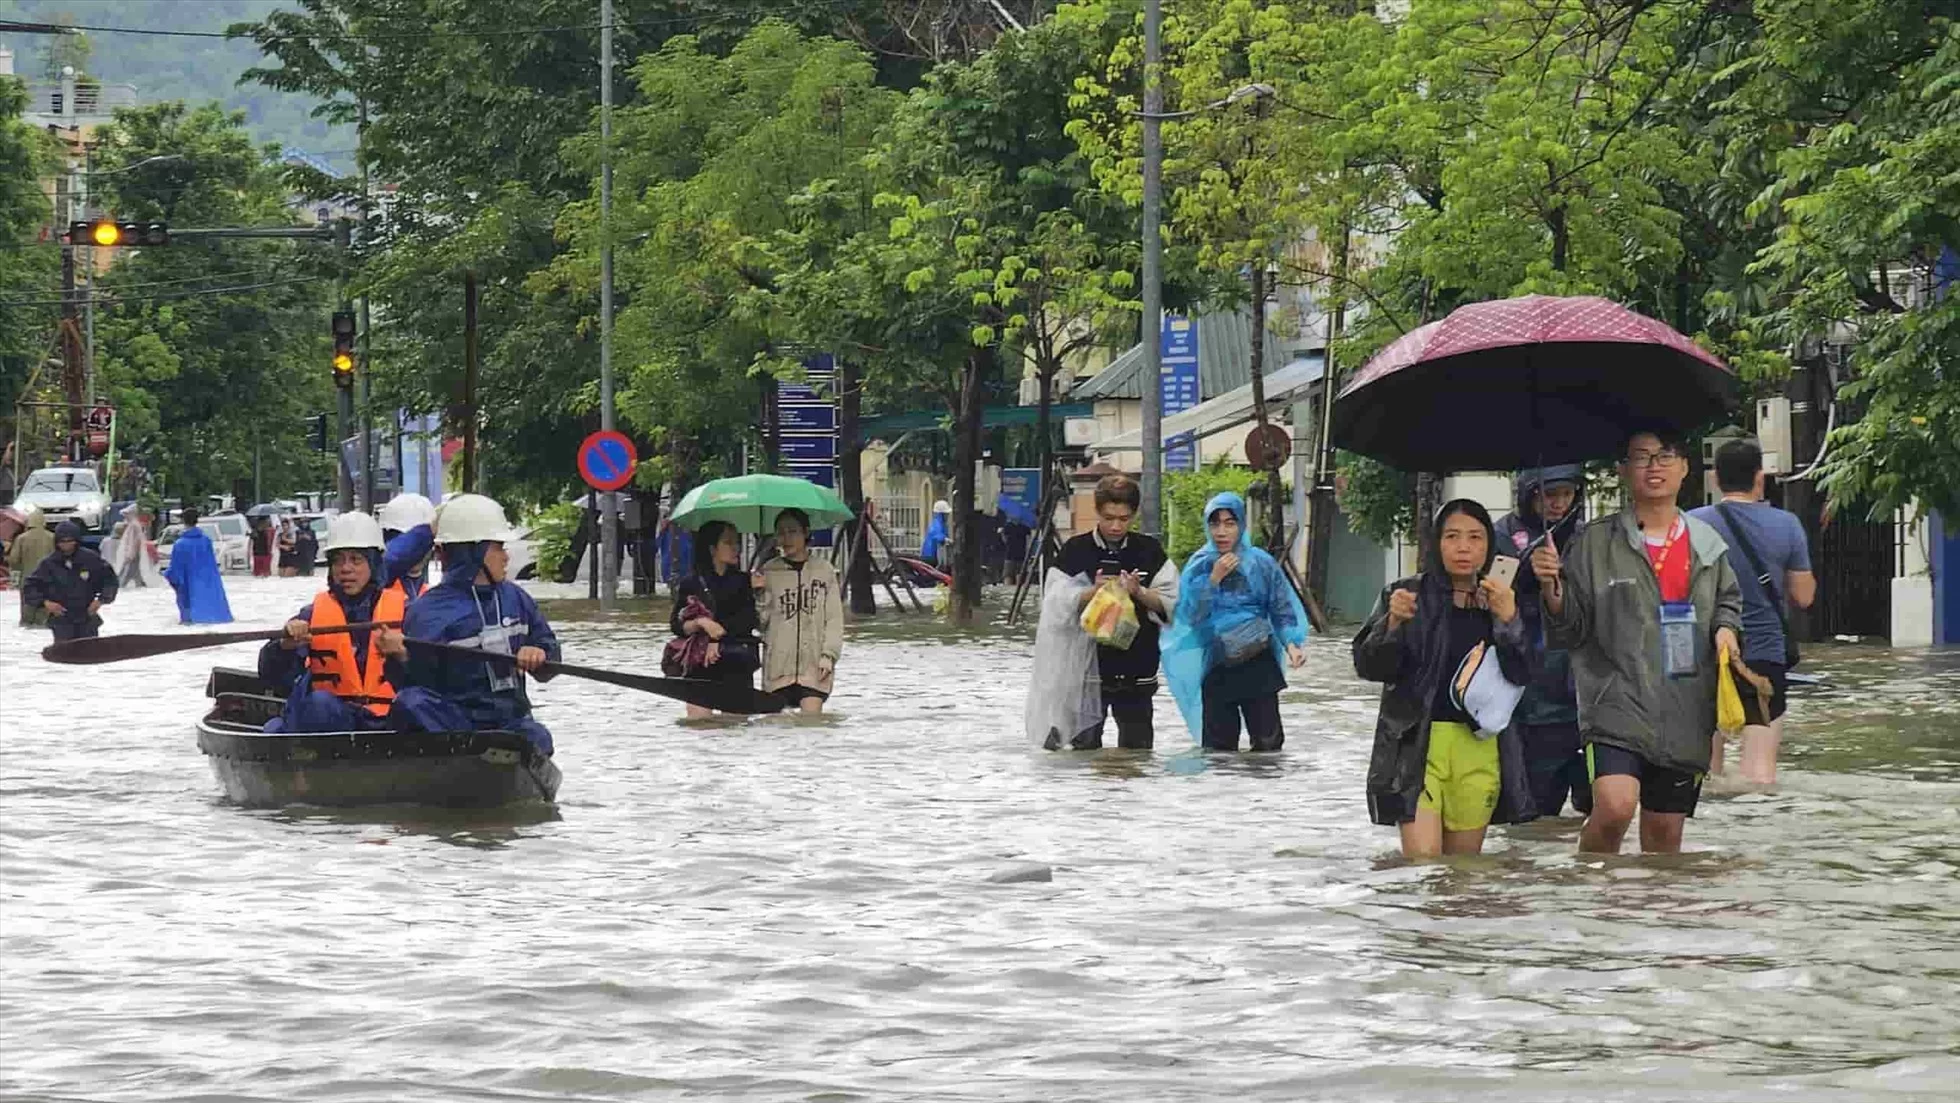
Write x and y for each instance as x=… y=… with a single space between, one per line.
x=779 y=910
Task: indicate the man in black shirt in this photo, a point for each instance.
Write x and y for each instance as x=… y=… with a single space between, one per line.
x=1138 y=563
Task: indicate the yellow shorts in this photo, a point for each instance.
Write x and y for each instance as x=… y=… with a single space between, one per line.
x=1460 y=778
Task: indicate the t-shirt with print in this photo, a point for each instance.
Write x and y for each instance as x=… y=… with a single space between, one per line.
x=1782 y=545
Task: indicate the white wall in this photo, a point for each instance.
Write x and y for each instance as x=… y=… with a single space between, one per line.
x=1912 y=586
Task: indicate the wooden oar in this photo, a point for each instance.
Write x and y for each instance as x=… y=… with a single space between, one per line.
x=114 y=649
x=719 y=696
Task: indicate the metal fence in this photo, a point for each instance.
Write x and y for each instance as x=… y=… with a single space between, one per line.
x=903 y=519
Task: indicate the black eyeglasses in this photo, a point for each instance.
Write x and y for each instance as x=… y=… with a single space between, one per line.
x=1652 y=459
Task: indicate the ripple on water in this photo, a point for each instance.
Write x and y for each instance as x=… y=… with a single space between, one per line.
x=783 y=909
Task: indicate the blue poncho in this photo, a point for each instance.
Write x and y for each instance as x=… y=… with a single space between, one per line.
x=1258 y=588
x=936 y=537
x=193 y=574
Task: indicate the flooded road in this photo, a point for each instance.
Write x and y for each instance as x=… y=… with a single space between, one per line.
x=779 y=910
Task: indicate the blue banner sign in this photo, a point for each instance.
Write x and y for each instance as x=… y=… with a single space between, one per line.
x=1178 y=386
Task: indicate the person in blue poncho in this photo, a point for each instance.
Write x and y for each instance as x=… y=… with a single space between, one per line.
x=407 y=522
x=193 y=574
x=937 y=536
x=473 y=606
x=1236 y=616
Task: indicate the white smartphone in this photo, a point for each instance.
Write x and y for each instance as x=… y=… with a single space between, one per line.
x=1503 y=568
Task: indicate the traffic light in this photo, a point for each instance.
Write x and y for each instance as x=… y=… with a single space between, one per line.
x=343 y=348
x=110 y=234
x=316 y=431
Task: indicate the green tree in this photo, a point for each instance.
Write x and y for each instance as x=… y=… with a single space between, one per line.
x=213 y=350
x=29 y=264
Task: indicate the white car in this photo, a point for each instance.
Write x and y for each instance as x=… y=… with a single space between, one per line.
x=230 y=539
x=66 y=494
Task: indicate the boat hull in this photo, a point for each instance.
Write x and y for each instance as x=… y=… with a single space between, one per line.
x=465 y=769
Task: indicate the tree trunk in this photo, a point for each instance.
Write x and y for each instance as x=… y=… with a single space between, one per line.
x=966 y=453
x=1561 y=238
x=1045 y=372
x=1275 y=511
x=857 y=573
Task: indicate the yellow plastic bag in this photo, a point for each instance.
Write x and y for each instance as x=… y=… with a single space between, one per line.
x=1111 y=617
x=1728 y=702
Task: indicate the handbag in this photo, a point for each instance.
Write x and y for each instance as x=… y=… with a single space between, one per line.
x=1791 y=654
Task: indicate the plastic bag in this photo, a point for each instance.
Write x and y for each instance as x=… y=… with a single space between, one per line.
x=1728 y=702
x=1065 y=694
x=1111 y=617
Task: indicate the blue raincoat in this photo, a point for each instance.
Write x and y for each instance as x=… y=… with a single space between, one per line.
x=442 y=693
x=405 y=554
x=1258 y=588
x=193 y=574
x=936 y=537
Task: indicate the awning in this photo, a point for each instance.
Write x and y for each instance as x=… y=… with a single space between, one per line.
x=1229 y=410
x=890 y=425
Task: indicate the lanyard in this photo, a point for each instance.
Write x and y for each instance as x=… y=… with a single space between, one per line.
x=1674 y=536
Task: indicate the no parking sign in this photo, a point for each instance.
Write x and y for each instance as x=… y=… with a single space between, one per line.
x=606 y=460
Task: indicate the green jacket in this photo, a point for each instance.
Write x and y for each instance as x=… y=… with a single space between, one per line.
x=1611 y=624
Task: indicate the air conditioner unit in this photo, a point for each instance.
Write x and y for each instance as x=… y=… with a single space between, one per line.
x=1078 y=432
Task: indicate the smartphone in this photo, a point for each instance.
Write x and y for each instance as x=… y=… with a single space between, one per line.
x=1503 y=568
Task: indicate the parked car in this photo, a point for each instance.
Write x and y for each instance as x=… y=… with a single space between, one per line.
x=66 y=494
x=229 y=539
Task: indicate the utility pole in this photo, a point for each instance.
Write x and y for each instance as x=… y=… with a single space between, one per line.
x=469 y=383
x=1153 y=287
x=367 y=365
x=1320 y=532
x=608 y=512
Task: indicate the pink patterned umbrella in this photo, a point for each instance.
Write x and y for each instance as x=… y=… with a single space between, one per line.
x=1516 y=382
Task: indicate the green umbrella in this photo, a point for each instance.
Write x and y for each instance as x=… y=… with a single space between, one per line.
x=751 y=503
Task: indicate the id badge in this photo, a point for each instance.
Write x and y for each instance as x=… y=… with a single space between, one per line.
x=1678 y=637
x=503 y=679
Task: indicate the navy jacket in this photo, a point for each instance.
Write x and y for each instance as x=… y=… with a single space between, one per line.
x=460 y=612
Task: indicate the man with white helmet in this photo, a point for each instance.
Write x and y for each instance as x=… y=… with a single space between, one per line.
x=340 y=681
x=407 y=523
x=475 y=605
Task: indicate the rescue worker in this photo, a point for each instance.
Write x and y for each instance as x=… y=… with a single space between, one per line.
x=34 y=544
x=475 y=605
x=72 y=583
x=339 y=682
x=406 y=522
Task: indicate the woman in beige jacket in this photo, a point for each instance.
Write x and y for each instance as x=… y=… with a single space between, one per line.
x=801 y=604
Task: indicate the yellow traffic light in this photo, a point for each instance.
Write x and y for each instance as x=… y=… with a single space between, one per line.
x=342 y=362
x=106 y=233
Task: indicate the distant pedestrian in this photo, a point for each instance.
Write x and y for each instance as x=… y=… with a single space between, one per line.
x=1436 y=774
x=306 y=547
x=1550 y=506
x=800 y=606
x=1645 y=601
x=72 y=585
x=193 y=573
x=288 y=549
x=1236 y=615
x=714 y=609
x=261 y=547
x=1770 y=554
x=1139 y=564
x=34 y=544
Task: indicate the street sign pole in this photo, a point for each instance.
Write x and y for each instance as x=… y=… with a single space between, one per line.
x=608 y=515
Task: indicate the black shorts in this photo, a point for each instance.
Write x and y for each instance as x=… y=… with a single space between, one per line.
x=793 y=695
x=1752 y=705
x=1662 y=788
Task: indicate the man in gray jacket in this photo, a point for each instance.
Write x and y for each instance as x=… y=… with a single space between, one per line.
x=1644 y=600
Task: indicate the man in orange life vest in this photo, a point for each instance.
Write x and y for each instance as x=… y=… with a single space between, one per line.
x=339 y=682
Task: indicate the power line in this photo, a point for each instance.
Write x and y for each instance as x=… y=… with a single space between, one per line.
x=198 y=293
x=352 y=36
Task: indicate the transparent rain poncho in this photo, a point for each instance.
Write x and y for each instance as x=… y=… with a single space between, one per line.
x=1065 y=694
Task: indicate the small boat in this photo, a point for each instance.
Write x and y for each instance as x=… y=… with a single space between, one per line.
x=461 y=769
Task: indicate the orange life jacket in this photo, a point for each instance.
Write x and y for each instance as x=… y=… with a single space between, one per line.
x=330 y=659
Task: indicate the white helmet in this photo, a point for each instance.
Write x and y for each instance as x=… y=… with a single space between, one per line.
x=469 y=519
x=353 y=530
x=405 y=511
x=942 y=506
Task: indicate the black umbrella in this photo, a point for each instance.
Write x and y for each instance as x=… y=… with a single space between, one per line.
x=1518 y=382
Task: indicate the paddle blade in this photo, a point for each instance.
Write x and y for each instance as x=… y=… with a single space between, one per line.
x=741 y=700
x=115 y=649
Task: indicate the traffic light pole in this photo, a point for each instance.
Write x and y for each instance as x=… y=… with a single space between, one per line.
x=346 y=398
x=608 y=510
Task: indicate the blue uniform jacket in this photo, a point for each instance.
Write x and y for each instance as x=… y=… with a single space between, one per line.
x=193 y=574
x=461 y=613
x=405 y=553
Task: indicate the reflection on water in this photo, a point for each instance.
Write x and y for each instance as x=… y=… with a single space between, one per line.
x=789 y=908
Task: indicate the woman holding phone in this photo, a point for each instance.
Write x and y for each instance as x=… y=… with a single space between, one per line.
x=1433 y=774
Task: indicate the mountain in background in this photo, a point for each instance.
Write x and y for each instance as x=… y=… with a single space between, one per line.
x=196 y=70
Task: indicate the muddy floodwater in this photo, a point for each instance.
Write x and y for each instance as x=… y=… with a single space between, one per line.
x=841 y=910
